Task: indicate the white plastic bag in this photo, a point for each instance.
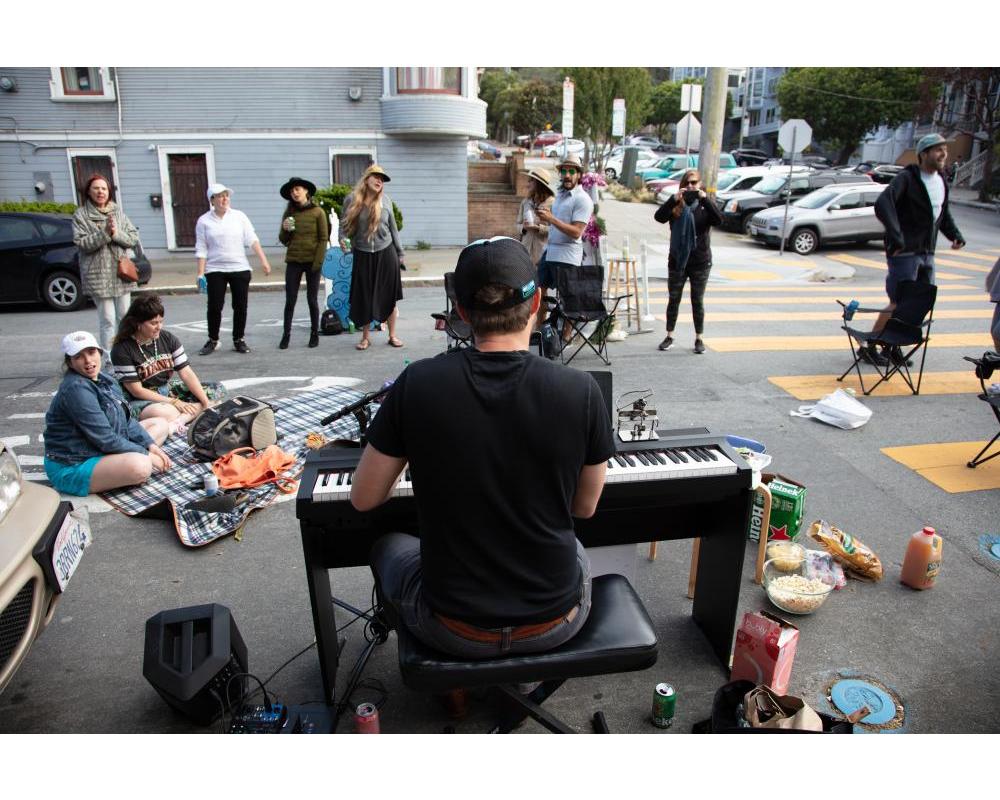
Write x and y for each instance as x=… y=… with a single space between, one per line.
x=838 y=409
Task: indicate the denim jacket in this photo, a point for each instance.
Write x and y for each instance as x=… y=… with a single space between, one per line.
x=87 y=419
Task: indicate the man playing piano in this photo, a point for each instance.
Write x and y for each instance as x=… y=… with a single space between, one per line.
x=504 y=449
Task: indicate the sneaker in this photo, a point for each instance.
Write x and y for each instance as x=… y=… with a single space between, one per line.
x=667 y=343
x=870 y=355
x=699 y=346
x=314 y=339
x=283 y=344
x=895 y=354
x=240 y=346
x=209 y=347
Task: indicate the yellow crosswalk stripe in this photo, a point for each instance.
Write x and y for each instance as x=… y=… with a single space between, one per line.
x=857 y=261
x=870 y=300
x=944 y=465
x=949 y=263
x=839 y=289
x=748 y=275
x=949 y=276
x=748 y=344
x=970 y=254
x=813 y=387
x=781 y=261
x=831 y=316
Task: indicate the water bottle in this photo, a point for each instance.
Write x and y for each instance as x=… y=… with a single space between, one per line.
x=923 y=559
x=211 y=485
x=849 y=310
x=202 y=284
x=625 y=251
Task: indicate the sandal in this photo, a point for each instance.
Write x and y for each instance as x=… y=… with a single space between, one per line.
x=394 y=342
x=364 y=344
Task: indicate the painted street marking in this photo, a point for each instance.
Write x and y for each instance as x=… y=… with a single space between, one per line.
x=747 y=344
x=969 y=254
x=944 y=465
x=813 y=387
x=318 y=382
x=873 y=300
x=30 y=461
x=28 y=395
x=949 y=263
x=830 y=316
x=15 y=441
x=748 y=275
x=27 y=416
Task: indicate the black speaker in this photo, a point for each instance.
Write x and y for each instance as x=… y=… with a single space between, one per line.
x=191 y=656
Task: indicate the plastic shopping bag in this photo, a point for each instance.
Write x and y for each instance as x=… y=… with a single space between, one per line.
x=838 y=409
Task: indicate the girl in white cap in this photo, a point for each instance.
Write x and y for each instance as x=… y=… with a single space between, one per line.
x=92 y=444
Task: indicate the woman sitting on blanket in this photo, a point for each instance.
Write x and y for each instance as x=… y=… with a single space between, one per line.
x=92 y=443
x=145 y=358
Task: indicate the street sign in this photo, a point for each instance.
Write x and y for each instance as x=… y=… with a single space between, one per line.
x=795 y=135
x=567 y=119
x=688 y=130
x=618 y=116
x=690 y=97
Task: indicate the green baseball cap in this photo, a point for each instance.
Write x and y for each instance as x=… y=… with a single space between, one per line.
x=929 y=141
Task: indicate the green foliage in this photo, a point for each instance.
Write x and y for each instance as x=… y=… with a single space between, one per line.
x=492 y=84
x=422 y=245
x=842 y=104
x=531 y=105
x=37 y=207
x=596 y=90
x=665 y=104
x=331 y=198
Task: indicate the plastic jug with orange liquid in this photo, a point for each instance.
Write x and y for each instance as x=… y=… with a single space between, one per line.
x=923 y=559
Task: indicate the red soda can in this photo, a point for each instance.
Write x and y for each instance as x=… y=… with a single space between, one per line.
x=366 y=718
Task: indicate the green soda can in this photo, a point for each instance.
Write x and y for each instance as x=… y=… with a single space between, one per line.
x=664 y=701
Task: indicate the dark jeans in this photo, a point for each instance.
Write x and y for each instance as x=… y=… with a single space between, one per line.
x=698 y=275
x=239 y=285
x=395 y=560
x=294 y=271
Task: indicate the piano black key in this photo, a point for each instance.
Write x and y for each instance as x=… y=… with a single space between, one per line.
x=644 y=458
x=621 y=461
x=672 y=456
x=694 y=454
x=660 y=458
x=708 y=452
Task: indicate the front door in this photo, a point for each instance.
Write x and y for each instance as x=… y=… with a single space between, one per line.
x=188 y=187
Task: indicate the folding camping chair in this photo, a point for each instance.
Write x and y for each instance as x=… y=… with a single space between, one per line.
x=984 y=370
x=457 y=330
x=904 y=334
x=580 y=302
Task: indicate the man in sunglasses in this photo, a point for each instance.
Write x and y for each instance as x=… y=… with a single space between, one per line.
x=567 y=219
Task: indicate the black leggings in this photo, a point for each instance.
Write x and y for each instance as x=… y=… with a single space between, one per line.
x=239 y=285
x=293 y=277
x=698 y=275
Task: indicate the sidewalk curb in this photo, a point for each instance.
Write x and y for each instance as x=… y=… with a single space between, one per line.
x=975 y=204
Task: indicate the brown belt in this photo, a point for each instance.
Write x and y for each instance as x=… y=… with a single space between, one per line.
x=497 y=635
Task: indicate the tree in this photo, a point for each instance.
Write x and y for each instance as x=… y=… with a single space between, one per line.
x=978 y=116
x=596 y=90
x=665 y=104
x=492 y=84
x=531 y=105
x=842 y=104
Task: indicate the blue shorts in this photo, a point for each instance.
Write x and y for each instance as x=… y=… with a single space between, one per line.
x=71 y=479
x=910 y=267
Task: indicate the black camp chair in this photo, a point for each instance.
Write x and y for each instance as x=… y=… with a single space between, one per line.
x=580 y=302
x=907 y=332
x=457 y=330
x=985 y=366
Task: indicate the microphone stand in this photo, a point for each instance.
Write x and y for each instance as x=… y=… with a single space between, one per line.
x=359 y=408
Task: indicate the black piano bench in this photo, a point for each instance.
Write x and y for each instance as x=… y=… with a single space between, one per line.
x=617 y=637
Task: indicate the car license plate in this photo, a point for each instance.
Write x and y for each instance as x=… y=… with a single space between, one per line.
x=73 y=538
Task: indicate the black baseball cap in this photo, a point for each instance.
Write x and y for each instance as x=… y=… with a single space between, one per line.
x=500 y=260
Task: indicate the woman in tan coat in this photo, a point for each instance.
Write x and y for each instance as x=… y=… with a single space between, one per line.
x=534 y=232
x=103 y=234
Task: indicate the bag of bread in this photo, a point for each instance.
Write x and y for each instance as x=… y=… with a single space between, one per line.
x=856 y=557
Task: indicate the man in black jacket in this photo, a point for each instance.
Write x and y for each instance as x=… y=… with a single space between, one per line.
x=913 y=207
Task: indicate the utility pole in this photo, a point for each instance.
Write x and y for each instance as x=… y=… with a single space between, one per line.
x=713 y=122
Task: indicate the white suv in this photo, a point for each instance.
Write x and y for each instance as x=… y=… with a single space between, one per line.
x=42 y=540
x=843 y=212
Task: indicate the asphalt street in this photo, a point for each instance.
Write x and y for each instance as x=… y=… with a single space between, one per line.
x=934 y=650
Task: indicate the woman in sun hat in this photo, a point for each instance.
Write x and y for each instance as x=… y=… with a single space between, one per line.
x=534 y=232
x=304 y=231
x=92 y=443
x=376 y=285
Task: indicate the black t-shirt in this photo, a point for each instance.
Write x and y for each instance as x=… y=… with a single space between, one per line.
x=151 y=364
x=495 y=442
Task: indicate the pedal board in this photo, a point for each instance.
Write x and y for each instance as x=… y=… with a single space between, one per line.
x=282 y=719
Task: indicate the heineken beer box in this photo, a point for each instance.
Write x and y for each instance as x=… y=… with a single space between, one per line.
x=788 y=500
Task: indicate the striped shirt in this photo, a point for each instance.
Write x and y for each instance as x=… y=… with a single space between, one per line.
x=152 y=364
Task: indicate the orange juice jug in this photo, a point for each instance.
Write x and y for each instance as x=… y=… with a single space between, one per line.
x=923 y=559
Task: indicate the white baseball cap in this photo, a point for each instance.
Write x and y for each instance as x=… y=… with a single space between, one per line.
x=217 y=188
x=73 y=343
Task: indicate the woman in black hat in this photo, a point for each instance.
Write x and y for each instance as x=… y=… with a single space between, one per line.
x=305 y=232
x=376 y=285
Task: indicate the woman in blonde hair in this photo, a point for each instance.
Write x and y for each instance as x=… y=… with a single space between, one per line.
x=367 y=220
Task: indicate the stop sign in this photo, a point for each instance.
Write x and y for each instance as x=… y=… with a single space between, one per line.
x=795 y=135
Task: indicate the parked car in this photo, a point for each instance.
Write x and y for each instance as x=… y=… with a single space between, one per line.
x=836 y=213
x=546 y=138
x=573 y=147
x=477 y=148
x=743 y=178
x=772 y=190
x=613 y=165
x=652 y=142
x=668 y=184
x=677 y=161
x=748 y=157
x=884 y=173
x=41 y=545
x=38 y=260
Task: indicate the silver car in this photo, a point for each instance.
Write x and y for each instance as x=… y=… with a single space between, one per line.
x=842 y=212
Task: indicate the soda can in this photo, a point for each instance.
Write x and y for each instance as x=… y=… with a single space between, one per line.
x=664 y=701
x=366 y=718
x=211 y=484
x=291 y=223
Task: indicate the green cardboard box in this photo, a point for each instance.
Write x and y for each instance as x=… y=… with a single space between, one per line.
x=788 y=501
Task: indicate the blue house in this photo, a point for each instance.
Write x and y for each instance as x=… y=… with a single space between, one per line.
x=163 y=134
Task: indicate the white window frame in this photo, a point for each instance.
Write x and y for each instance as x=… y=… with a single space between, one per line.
x=58 y=93
x=349 y=150
x=162 y=151
x=73 y=152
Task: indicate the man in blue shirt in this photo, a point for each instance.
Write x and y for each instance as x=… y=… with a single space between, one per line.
x=571 y=211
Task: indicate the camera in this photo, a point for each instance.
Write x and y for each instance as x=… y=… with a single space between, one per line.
x=690 y=195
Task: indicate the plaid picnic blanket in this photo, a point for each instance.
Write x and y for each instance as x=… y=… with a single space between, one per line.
x=168 y=493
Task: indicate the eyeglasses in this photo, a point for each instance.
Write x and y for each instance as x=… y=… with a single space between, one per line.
x=568 y=171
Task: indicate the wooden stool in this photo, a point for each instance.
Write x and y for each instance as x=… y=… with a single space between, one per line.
x=631 y=281
x=761 y=545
